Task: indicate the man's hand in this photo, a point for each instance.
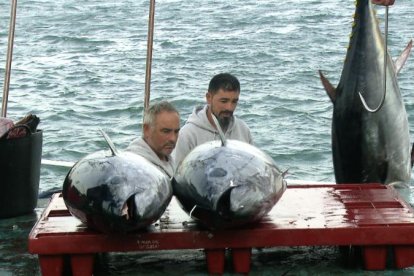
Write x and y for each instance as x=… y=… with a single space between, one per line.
x=383 y=2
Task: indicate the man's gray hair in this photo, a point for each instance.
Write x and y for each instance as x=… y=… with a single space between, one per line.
x=155 y=109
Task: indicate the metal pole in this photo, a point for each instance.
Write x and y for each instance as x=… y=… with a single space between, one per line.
x=149 y=54
x=9 y=58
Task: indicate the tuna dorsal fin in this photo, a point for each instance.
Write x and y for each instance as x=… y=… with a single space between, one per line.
x=109 y=142
x=220 y=131
x=400 y=61
x=285 y=173
x=330 y=89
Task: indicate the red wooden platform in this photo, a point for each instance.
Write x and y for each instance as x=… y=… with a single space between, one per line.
x=370 y=215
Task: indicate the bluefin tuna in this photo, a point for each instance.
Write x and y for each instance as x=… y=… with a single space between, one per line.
x=369 y=145
x=228 y=183
x=116 y=191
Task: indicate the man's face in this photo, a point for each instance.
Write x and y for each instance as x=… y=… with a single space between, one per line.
x=222 y=105
x=162 y=136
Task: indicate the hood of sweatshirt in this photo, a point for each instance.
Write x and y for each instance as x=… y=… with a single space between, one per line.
x=200 y=119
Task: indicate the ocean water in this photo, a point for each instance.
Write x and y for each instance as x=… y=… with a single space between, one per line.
x=80 y=66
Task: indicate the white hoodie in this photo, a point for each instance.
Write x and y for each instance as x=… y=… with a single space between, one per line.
x=140 y=147
x=198 y=130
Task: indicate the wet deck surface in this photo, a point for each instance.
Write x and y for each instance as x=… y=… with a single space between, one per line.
x=372 y=216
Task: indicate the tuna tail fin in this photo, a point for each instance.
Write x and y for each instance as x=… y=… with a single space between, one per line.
x=330 y=89
x=109 y=142
x=220 y=131
x=400 y=61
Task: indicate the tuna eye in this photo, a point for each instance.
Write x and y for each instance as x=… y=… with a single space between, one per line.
x=217 y=172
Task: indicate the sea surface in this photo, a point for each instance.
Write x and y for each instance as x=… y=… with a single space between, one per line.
x=80 y=66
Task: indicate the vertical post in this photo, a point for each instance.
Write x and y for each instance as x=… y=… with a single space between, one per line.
x=149 y=54
x=9 y=59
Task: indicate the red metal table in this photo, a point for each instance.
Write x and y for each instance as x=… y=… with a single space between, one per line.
x=372 y=216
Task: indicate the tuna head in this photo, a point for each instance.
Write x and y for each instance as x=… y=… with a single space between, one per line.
x=224 y=186
x=116 y=193
x=369 y=146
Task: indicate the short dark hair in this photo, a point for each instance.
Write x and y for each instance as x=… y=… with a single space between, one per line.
x=157 y=108
x=224 y=81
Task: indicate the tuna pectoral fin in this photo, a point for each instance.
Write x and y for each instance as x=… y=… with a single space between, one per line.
x=400 y=61
x=330 y=90
x=223 y=205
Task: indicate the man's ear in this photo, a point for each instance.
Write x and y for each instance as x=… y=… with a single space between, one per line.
x=146 y=128
x=209 y=97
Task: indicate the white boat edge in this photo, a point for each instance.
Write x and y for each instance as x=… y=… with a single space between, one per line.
x=54 y=163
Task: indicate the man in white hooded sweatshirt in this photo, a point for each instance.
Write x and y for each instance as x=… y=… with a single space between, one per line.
x=159 y=136
x=222 y=98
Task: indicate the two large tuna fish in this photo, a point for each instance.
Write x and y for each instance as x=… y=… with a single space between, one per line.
x=219 y=185
x=369 y=144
